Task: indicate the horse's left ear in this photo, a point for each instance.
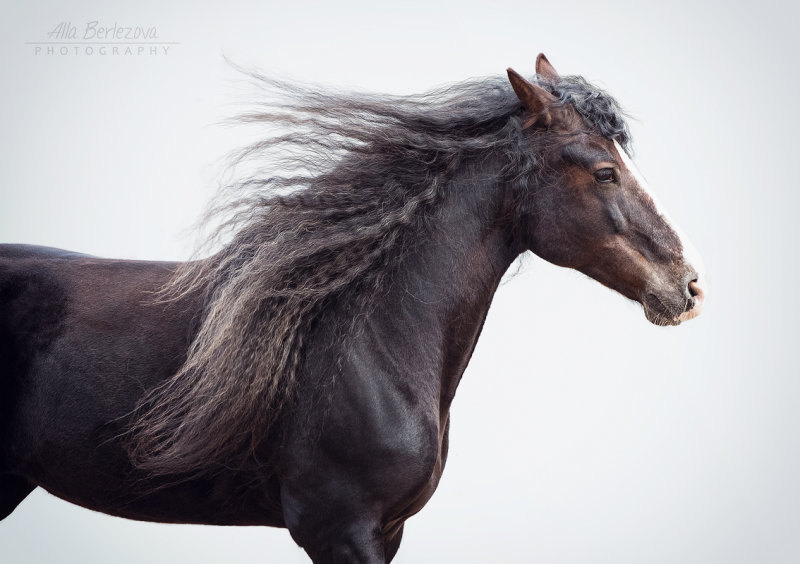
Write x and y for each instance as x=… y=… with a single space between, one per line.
x=535 y=99
x=546 y=70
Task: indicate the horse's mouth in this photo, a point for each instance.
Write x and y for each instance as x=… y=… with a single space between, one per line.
x=660 y=312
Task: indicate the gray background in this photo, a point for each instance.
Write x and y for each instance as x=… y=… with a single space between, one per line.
x=581 y=434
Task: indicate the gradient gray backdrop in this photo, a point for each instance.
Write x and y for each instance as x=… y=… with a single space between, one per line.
x=580 y=434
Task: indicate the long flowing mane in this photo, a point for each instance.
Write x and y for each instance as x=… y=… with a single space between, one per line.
x=343 y=188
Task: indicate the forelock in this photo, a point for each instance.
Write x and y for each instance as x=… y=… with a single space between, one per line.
x=598 y=108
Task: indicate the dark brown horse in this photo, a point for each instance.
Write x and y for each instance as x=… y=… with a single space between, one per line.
x=301 y=376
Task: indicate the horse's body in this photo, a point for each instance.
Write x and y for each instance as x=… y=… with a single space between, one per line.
x=362 y=442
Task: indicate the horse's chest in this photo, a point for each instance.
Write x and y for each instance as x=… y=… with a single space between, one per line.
x=378 y=446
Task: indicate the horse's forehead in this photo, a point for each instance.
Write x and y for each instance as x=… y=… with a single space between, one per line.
x=637 y=175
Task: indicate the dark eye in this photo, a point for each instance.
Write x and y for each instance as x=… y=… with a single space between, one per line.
x=604 y=175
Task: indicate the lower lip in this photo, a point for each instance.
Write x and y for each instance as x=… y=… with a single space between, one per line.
x=692 y=313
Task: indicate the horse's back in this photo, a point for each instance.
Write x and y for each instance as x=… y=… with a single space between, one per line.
x=31 y=302
x=32 y=305
x=73 y=328
x=21 y=251
x=81 y=340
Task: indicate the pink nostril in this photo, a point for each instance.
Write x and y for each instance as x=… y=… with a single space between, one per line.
x=696 y=291
x=695 y=305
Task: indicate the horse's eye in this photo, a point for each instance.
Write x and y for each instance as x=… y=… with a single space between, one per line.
x=604 y=175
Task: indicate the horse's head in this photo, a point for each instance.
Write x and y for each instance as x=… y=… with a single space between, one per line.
x=592 y=210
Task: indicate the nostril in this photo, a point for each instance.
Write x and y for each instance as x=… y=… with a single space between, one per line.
x=697 y=291
x=694 y=305
x=694 y=289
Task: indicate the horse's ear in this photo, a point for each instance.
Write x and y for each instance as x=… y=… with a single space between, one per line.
x=546 y=70
x=535 y=99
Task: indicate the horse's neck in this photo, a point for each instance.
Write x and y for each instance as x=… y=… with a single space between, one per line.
x=439 y=303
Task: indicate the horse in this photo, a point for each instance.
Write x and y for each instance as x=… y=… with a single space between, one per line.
x=300 y=374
